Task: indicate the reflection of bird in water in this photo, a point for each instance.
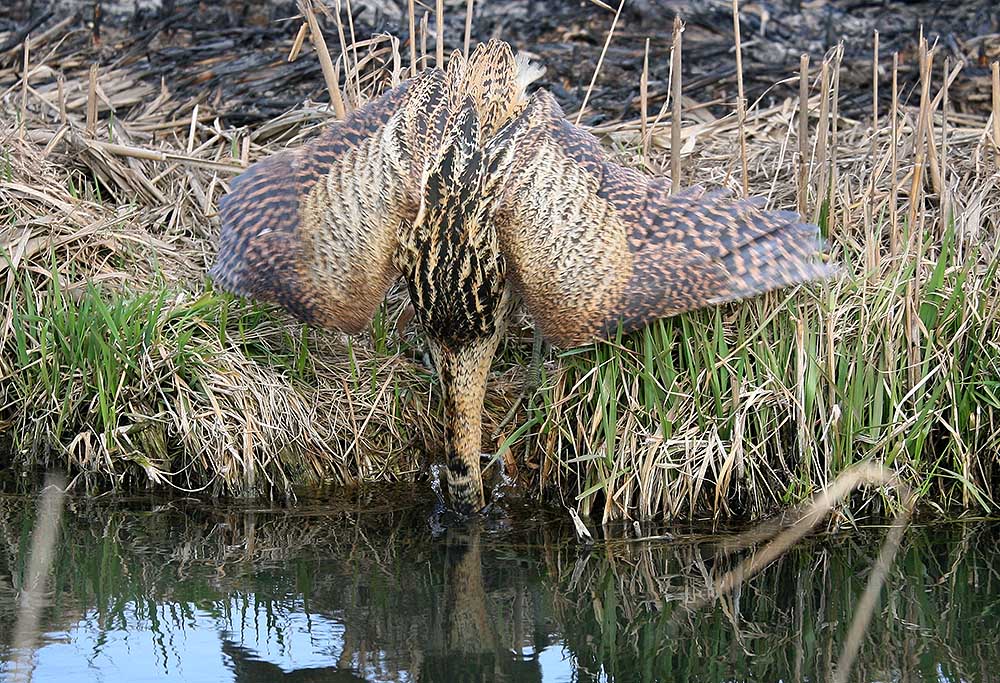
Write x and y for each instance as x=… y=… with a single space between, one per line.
x=478 y=196
x=465 y=643
x=247 y=667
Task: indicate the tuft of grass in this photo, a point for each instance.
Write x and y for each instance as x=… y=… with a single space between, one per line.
x=167 y=389
x=749 y=408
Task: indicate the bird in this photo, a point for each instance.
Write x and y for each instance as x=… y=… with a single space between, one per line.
x=485 y=199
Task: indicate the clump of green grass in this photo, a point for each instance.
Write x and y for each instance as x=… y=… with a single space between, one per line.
x=749 y=408
x=113 y=380
x=164 y=388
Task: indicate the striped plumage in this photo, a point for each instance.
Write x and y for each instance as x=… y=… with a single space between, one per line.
x=479 y=196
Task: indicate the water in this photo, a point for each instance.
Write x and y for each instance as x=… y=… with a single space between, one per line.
x=367 y=589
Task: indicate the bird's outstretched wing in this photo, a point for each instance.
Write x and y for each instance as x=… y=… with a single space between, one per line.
x=591 y=245
x=315 y=229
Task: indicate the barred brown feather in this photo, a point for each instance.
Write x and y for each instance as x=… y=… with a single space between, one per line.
x=591 y=245
x=315 y=229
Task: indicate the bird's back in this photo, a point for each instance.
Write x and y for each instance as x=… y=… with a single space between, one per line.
x=450 y=255
x=319 y=229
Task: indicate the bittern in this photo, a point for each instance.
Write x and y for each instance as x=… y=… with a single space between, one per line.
x=483 y=198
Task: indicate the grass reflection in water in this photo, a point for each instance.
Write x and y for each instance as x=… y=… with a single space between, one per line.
x=363 y=589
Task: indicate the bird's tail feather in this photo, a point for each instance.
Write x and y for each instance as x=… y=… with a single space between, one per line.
x=772 y=261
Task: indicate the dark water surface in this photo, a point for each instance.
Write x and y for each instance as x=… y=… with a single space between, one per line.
x=368 y=589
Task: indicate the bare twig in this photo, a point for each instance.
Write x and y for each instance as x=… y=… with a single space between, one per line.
x=600 y=62
x=675 y=122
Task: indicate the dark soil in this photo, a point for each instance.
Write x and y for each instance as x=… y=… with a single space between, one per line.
x=231 y=55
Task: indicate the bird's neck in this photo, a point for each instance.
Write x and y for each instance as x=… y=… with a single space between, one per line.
x=463 y=371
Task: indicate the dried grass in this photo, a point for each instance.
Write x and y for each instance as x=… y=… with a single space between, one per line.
x=739 y=410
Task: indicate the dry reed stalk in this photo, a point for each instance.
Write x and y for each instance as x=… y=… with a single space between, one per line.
x=803 y=133
x=343 y=56
x=397 y=62
x=927 y=109
x=439 y=26
x=916 y=216
x=931 y=147
x=330 y=74
x=872 y=250
x=34 y=589
x=158 y=155
x=945 y=195
x=300 y=38
x=822 y=131
x=741 y=104
x=425 y=23
x=354 y=49
x=468 y=27
x=413 y=39
x=644 y=105
x=875 y=61
x=600 y=62
x=675 y=122
x=92 y=101
x=192 y=128
x=26 y=65
x=829 y=189
x=996 y=110
x=894 y=160
x=61 y=96
x=923 y=122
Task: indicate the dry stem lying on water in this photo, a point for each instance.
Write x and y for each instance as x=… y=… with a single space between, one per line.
x=35 y=589
x=822 y=503
x=118 y=364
